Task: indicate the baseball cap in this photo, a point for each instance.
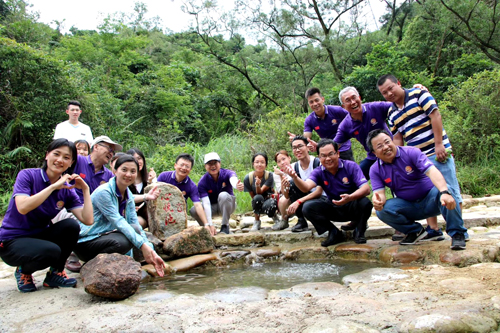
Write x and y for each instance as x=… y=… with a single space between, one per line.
x=212 y=157
x=104 y=138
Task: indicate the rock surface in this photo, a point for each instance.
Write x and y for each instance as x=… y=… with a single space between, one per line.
x=111 y=276
x=167 y=214
x=193 y=240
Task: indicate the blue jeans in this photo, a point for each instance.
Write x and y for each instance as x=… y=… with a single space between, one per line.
x=365 y=166
x=401 y=214
x=449 y=173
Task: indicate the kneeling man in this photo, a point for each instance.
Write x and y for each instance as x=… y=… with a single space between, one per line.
x=346 y=189
x=419 y=188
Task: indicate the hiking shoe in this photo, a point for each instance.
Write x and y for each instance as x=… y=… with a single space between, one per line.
x=333 y=238
x=398 y=236
x=225 y=229
x=24 y=281
x=458 y=241
x=256 y=225
x=73 y=263
x=433 y=235
x=301 y=225
x=467 y=238
x=55 y=279
x=413 y=237
x=280 y=225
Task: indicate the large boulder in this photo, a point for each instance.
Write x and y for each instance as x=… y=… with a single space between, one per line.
x=193 y=240
x=167 y=214
x=111 y=276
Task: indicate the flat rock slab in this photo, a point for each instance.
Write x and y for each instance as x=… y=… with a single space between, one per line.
x=309 y=252
x=184 y=264
x=454 y=322
x=238 y=295
x=268 y=252
x=375 y=275
x=190 y=241
x=166 y=214
x=248 y=239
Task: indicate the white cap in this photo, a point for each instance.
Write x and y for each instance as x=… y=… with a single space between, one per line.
x=104 y=138
x=212 y=157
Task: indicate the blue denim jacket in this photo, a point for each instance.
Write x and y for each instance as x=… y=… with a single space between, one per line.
x=107 y=218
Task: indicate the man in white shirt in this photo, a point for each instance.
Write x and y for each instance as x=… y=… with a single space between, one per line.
x=73 y=129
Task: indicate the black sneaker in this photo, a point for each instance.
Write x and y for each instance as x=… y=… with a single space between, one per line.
x=458 y=241
x=398 y=236
x=413 y=237
x=301 y=225
x=333 y=238
x=433 y=235
x=56 y=279
x=225 y=229
x=25 y=282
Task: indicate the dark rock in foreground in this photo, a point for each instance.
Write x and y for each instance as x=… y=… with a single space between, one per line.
x=193 y=240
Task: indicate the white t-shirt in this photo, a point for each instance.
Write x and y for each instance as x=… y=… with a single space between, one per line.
x=304 y=174
x=66 y=130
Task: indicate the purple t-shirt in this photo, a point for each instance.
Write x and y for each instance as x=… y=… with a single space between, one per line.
x=187 y=186
x=327 y=127
x=374 y=117
x=347 y=180
x=85 y=169
x=208 y=187
x=30 y=182
x=405 y=176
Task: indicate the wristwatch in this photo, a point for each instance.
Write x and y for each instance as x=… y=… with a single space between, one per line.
x=444 y=192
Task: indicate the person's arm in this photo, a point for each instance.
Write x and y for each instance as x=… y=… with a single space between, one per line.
x=379 y=199
x=207 y=208
x=236 y=183
x=313 y=195
x=291 y=136
x=361 y=192
x=398 y=139
x=437 y=130
x=85 y=214
x=304 y=186
x=285 y=187
x=151 y=195
x=26 y=204
x=438 y=180
x=201 y=214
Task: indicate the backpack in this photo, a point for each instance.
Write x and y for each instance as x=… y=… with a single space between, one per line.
x=250 y=177
x=316 y=164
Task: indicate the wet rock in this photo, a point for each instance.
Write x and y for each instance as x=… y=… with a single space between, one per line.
x=269 y=252
x=234 y=255
x=387 y=254
x=456 y=323
x=407 y=257
x=193 y=240
x=354 y=251
x=374 y=275
x=312 y=252
x=112 y=276
x=151 y=296
x=338 y=326
x=150 y=269
x=185 y=264
x=238 y=295
x=167 y=214
x=244 y=240
x=463 y=258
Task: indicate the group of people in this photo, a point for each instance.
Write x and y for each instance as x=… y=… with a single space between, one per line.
x=74 y=207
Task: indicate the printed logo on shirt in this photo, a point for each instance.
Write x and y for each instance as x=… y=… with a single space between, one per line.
x=373 y=121
x=60 y=205
x=223 y=184
x=408 y=170
x=102 y=182
x=345 y=180
x=209 y=191
x=326 y=183
x=387 y=180
x=82 y=176
x=356 y=133
x=316 y=128
x=334 y=121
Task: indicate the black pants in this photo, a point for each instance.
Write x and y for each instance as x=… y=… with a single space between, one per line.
x=114 y=242
x=264 y=206
x=295 y=194
x=322 y=211
x=347 y=155
x=49 y=248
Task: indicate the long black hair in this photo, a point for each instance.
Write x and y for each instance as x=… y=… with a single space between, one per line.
x=57 y=143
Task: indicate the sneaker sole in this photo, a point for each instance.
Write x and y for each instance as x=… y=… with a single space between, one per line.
x=49 y=286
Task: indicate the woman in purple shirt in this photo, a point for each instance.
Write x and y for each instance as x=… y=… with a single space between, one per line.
x=28 y=238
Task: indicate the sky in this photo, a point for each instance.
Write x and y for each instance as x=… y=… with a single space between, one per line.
x=87 y=15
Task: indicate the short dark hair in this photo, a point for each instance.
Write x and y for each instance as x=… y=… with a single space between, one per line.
x=115 y=157
x=73 y=103
x=299 y=137
x=57 y=143
x=282 y=152
x=373 y=134
x=326 y=142
x=185 y=157
x=259 y=154
x=386 y=77
x=144 y=171
x=124 y=158
x=312 y=91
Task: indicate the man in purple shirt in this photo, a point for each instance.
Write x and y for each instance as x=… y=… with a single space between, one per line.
x=180 y=179
x=346 y=189
x=92 y=168
x=419 y=188
x=361 y=120
x=216 y=192
x=325 y=120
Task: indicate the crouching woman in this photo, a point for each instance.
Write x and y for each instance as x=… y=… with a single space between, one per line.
x=116 y=228
x=28 y=238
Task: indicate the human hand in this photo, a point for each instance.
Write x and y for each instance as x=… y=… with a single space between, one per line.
x=441 y=154
x=378 y=202
x=344 y=198
x=79 y=182
x=154 y=259
x=420 y=86
x=448 y=201
x=151 y=175
x=257 y=181
x=240 y=186
x=153 y=194
x=293 y=208
x=289 y=171
x=312 y=145
x=211 y=229
x=290 y=136
x=63 y=182
x=285 y=185
x=277 y=171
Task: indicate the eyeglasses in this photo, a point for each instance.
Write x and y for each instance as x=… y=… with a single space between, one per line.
x=299 y=147
x=110 y=150
x=333 y=153
x=185 y=166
